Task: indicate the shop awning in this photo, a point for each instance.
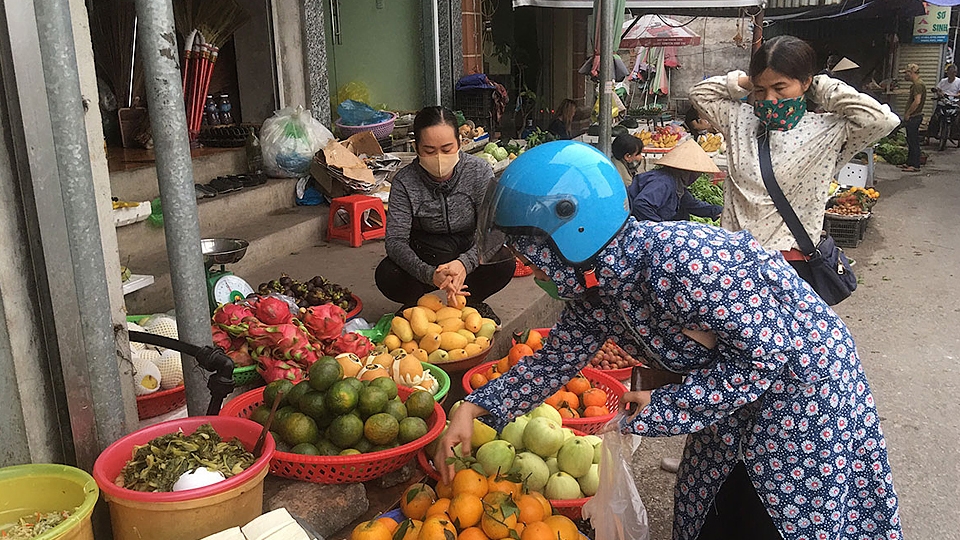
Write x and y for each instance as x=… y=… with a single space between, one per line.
x=666 y=5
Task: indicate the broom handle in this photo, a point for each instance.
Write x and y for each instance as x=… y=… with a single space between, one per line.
x=207 y=76
x=198 y=98
x=187 y=53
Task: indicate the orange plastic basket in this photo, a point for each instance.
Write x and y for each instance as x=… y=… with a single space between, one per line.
x=567 y=507
x=598 y=379
x=339 y=469
x=162 y=402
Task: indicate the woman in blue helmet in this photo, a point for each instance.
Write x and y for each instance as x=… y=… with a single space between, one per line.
x=784 y=437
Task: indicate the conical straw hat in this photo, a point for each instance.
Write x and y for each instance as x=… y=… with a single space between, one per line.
x=689 y=157
x=845 y=64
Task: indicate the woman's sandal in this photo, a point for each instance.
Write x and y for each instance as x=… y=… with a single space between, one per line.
x=911 y=169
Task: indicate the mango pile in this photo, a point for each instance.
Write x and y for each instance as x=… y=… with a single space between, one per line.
x=439 y=332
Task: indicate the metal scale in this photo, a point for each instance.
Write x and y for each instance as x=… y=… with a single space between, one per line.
x=222 y=285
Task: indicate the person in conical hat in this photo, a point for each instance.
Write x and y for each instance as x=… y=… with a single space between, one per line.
x=662 y=194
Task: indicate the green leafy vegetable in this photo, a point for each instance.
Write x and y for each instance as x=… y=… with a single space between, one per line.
x=157 y=465
x=539 y=137
x=705 y=190
x=708 y=221
x=33 y=525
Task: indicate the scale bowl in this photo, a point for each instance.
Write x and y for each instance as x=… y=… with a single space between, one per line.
x=222 y=250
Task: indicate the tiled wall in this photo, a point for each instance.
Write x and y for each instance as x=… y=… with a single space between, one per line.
x=472 y=37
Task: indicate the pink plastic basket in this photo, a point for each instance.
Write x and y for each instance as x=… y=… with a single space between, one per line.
x=380 y=131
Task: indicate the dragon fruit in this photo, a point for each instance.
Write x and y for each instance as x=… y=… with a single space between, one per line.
x=325 y=322
x=272 y=311
x=220 y=338
x=241 y=356
x=351 y=342
x=231 y=314
x=272 y=369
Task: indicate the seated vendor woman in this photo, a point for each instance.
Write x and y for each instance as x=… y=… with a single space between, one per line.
x=662 y=194
x=432 y=221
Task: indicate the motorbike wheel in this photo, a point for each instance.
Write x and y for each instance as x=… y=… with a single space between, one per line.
x=944 y=135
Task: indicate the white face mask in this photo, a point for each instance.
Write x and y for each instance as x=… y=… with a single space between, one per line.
x=439 y=165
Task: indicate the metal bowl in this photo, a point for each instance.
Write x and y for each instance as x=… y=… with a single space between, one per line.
x=222 y=250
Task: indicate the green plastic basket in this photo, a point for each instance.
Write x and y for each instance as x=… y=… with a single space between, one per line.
x=442 y=378
x=246 y=375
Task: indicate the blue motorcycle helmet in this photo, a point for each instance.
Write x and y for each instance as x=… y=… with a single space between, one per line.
x=565 y=192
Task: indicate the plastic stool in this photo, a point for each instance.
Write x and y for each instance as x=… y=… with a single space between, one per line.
x=355 y=231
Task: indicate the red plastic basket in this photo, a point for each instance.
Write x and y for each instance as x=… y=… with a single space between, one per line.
x=339 y=469
x=598 y=379
x=567 y=507
x=112 y=460
x=162 y=402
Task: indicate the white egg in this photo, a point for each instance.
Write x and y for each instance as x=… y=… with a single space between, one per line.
x=199 y=478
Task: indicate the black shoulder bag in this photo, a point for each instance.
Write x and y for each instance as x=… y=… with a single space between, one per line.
x=832 y=277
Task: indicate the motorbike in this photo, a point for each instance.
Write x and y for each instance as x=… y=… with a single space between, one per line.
x=946 y=112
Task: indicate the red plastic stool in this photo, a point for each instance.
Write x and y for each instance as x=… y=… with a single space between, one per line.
x=355 y=231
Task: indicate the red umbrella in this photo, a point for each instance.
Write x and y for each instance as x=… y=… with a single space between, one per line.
x=657 y=31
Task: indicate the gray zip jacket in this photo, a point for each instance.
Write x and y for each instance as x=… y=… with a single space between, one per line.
x=431 y=223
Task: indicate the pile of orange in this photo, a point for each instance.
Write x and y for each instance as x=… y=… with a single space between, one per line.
x=579 y=399
x=472 y=507
x=525 y=344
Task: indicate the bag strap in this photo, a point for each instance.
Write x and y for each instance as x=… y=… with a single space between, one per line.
x=780 y=200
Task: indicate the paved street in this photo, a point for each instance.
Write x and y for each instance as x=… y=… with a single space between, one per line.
x=904 y=316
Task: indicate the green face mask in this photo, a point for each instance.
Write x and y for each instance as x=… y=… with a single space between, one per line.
x=550 y=288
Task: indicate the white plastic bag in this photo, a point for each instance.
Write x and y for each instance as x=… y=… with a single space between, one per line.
x=620 y=513
x=288 y=141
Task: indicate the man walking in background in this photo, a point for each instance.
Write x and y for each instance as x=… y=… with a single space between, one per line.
x=913 y=116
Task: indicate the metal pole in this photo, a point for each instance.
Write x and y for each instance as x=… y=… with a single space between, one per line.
x=607 y=31
x=158 y=51
x=62 y=80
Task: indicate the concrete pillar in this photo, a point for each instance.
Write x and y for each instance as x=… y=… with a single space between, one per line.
x=27 y=395
x=101 y=181
x=289 y=43
x=315 y=45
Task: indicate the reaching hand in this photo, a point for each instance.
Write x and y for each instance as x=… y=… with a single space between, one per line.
x=641 y=398
x=459 y=432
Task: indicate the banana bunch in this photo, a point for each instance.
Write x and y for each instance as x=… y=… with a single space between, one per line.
x=710 y=142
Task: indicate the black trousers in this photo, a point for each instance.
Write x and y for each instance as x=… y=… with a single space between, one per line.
x=401 y=287
x=738 y=513
x=912 y=125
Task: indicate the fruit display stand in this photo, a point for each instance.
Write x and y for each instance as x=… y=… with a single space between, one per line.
x=339 y=469
x=598 y=379
x=567 y=507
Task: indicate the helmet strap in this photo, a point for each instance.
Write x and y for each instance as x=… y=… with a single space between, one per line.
x=590 y=278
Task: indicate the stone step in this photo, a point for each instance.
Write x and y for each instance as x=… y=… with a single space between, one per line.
x=271 y=237
x=140 y=184
x=142 y=240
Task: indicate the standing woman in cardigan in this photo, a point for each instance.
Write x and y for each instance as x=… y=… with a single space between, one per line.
x=807 y=149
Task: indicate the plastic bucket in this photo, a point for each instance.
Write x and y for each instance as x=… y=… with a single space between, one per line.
x=190 y=514
x=46 y=488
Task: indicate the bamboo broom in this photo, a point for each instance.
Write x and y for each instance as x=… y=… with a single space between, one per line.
x=217 y=20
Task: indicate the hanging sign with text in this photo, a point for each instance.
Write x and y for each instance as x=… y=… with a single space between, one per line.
x=934 y=27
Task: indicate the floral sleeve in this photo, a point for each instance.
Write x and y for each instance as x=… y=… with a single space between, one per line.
x=535 y=378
